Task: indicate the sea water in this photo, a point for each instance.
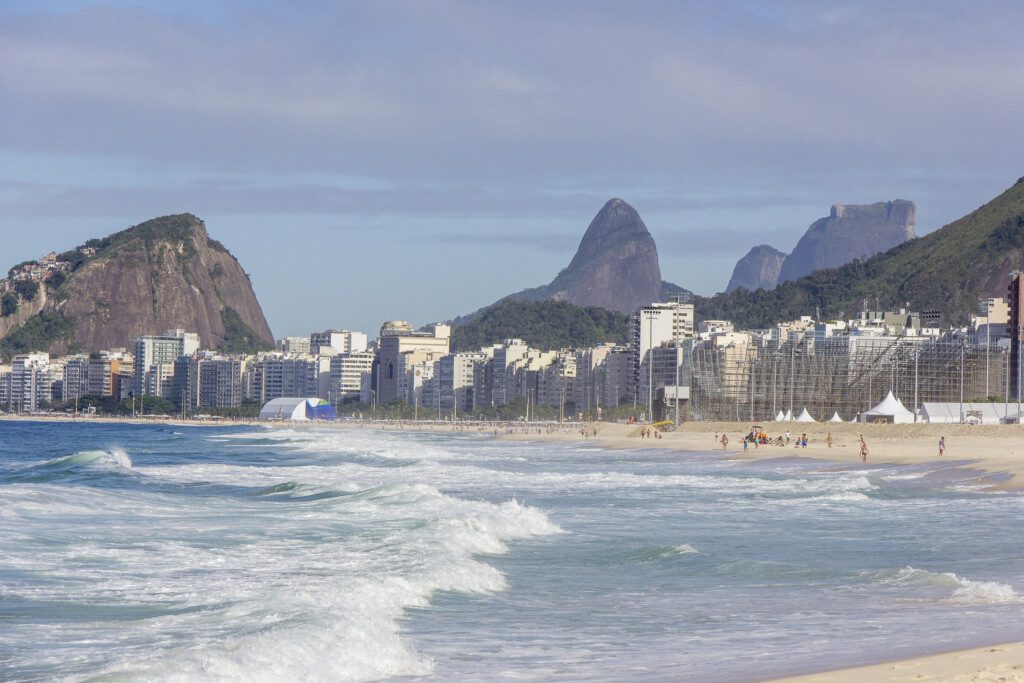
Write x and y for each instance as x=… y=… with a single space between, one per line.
x=249 y=553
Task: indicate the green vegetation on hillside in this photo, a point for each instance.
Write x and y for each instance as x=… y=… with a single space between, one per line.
x=949 y=270
x=239 y=337
x=542 y=324
x=39 y=333
x=8 y=304
x=28 y=289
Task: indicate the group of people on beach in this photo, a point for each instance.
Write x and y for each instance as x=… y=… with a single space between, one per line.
x=649 y=433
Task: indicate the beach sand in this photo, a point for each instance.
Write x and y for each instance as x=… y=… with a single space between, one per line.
x=1004 y=663
x=994 y=454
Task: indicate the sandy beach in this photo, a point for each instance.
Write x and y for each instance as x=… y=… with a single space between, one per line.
x=1003 y=663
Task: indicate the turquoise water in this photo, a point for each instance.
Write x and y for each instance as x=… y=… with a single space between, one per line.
x=247 y=553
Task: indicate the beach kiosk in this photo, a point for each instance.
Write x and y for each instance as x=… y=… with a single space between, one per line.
x=890 y=410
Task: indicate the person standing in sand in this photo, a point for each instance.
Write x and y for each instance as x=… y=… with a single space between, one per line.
x=725 y=441
x=828 y=439
x=942 y=445
x=787 y=437
x=863 y=449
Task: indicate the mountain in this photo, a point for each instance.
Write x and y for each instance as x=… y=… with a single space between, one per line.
x=615 y=267
x=850 y=231
x=162 y=274
x=950 y=269
x=543 y=325
x=759 y=269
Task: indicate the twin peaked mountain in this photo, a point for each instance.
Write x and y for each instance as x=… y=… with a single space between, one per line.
x=615 y=267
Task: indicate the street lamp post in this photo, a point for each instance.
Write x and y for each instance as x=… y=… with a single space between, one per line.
x=963 y=347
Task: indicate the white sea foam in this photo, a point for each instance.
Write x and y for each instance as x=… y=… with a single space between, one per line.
x=959 y=590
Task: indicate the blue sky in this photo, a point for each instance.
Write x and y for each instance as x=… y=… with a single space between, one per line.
x=419 y=160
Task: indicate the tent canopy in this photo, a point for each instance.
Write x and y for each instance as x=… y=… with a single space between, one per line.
x=805 y=416
x=835 y=417
x=889 y=409
x=300 y=409
x=781 y=417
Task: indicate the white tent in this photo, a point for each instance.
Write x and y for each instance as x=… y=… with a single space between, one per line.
x=835 y=417
x=288 y=409
x=805 y=416
x=973 y=413
x=890 y=409
x=788 y=417
x=781 y=417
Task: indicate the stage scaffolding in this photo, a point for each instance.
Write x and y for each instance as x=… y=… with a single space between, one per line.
x=847 y=375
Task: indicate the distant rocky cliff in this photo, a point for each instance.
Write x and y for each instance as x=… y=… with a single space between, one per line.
x=162 y=274
x=759 y=269
x=615 y=267
x=849 y=232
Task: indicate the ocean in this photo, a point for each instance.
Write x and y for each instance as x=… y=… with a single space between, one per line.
x=173 y=552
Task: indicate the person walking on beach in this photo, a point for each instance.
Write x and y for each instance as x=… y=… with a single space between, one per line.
x=863 y=449
x=942 y=445
x=746 y=443
x=787 y=437
x=725 y=441
x=828 y=439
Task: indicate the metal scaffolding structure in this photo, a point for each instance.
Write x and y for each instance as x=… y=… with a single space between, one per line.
x=844 y=375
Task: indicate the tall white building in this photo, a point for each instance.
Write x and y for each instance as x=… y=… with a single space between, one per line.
x=349 y=373
x=342 y=341
x=649 y=327
x=455 y=379
x=155 y=357
x=396 y=340
x=31 y=381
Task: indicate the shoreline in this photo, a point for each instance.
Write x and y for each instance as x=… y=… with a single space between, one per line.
x=1003 y=662
x=991 y=455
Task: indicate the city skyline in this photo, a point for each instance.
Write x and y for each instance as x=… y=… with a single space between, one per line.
x=409 y=150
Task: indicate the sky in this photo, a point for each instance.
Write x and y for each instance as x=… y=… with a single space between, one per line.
x=418 y=160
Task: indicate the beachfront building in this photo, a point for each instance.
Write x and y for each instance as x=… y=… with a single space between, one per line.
x=277 y=375
x=76 y=378
x=108 y=372
x=342 y=341
x=215 y=382
x=493 y=383
x=397 y=339
x=31 y=382
x=349 y=372
x=294 y=345
x=649 y=327
x=155 y=359
x=455 y=377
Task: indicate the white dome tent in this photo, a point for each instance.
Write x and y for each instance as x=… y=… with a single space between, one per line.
x=781 y=417
x=788 y=417
x=805 y=416
x=890 y=409
x=835 y=417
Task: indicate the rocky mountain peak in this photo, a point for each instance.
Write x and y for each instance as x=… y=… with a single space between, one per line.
x=759 y=269
x=850 y=231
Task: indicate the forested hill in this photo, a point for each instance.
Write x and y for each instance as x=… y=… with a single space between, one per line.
x=951 y=270
x=542 y=324
x=162 y=274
